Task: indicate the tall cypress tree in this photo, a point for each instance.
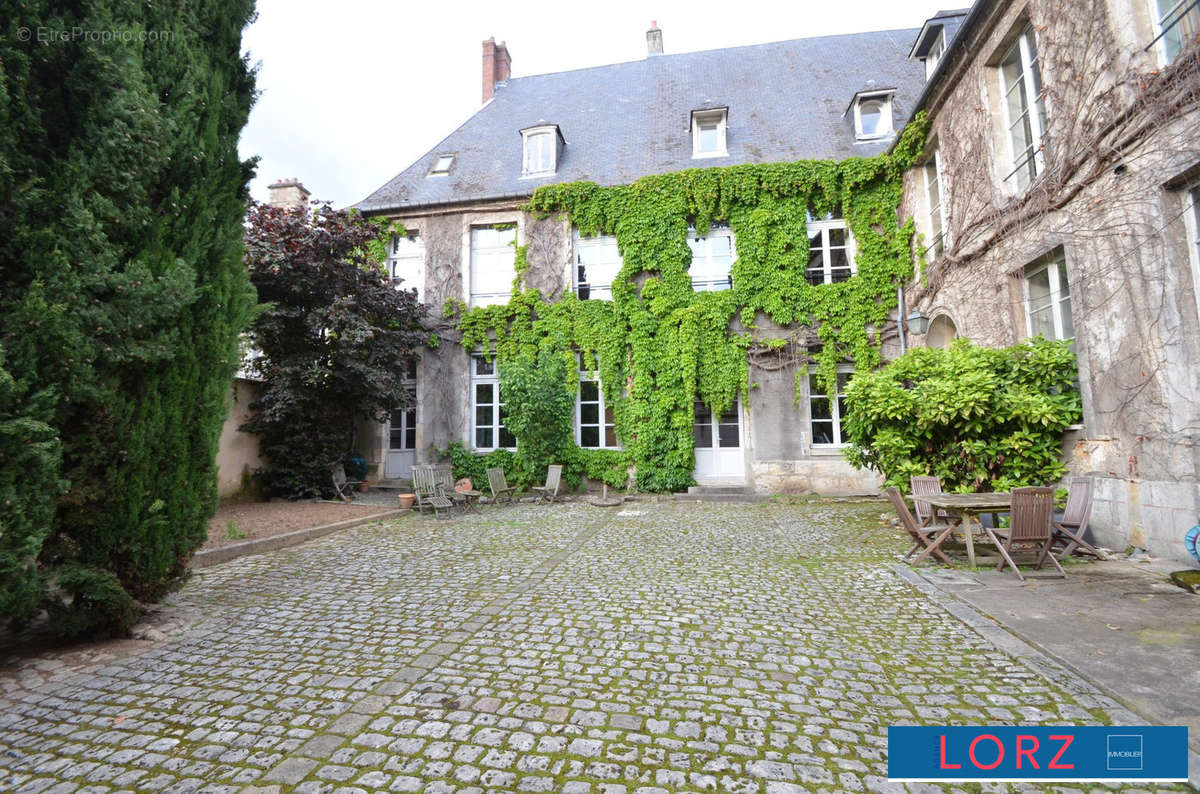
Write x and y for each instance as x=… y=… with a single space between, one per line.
x=122 y=288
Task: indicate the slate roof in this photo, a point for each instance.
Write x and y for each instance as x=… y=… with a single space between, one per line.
x=786 y=101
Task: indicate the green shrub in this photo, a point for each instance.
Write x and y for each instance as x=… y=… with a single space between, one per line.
x=122 y=295
x=980 y=419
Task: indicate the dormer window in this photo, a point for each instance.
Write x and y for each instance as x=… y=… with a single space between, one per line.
x=441 y=166
x=542 y=146
x=935 y=53
x=708 y=133
x=873 y=116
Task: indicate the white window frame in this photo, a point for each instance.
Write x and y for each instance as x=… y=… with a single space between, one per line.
x=835 y=409
x=497 y=426
x=606 y=244
x=934 y=55
x=714 y=281
x=441 y=165
x=939 y=238
x=601 y=404
x=824 y=226
x=1034 y=108
x=504 y=255
x=1058 y=295
x=541 y=142
x=706 y=118
x=887 y=121
x=410 y=417
x=1191 y=226
x=1184 y=27
x=406 y=263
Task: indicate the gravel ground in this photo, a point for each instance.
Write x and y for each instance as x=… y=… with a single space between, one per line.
x=265 y=519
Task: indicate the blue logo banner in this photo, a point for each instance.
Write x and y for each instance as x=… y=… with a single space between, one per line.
x=1006 y=753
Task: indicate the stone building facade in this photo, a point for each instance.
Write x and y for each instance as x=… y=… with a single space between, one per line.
x=823 y=98
x=1060 y=195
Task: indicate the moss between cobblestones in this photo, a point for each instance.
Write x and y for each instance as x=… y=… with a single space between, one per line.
x=783 y=628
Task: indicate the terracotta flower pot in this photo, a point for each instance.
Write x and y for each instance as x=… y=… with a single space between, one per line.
x=362 y=487
x=406 y=500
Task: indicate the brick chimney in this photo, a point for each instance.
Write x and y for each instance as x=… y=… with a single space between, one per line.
x=289 y=193
x=497 y=66
x=654 y=40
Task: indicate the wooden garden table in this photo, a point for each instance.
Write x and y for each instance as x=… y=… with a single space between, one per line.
x=966 y=507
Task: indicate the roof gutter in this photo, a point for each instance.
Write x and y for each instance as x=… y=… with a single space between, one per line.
x=423 y=204
x=976 y=13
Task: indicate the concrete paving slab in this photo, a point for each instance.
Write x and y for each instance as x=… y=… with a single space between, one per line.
x=1119 y=623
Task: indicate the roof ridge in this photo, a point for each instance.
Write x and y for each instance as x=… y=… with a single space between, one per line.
x=659 y=57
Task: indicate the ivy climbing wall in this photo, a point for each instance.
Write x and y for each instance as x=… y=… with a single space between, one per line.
x=659 y=346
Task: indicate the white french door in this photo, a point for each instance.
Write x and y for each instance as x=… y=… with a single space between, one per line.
x=402 y=440
x=718 y=443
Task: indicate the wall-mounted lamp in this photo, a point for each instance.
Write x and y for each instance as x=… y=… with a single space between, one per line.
x=917 y=323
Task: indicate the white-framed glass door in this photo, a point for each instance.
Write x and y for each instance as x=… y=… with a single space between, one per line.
x=401 y=435
x=718 y=444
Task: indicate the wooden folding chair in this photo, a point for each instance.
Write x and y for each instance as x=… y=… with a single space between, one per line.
x=549 y=491
x=921 y=486
x=500 y=487
x=1029 y=524
x=928 y=539
x=429 y=494
x=443 y=475
x=343 y=486
x=1069 y=530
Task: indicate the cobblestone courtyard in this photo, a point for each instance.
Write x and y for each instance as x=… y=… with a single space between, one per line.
x=662 y=647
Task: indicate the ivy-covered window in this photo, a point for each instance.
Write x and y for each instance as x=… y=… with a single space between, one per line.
x=595 y=427
x=712 y=259
x=830 y=250
x=1024 y=107
x=1048 y=298
x=933 y=198
x=826 y=411
x=597 y=263
x=487 y=411
x=493 y=264
x=406 y=263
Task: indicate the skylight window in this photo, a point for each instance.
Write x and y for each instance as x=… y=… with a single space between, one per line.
x=442 y=164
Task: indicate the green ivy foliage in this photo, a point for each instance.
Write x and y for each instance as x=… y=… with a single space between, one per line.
x=659 y=345
x=539 y=410
x=979 y=418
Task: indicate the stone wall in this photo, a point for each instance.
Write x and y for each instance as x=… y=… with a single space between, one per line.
x=779 y=456
x=237 y=452
x=1133 y=303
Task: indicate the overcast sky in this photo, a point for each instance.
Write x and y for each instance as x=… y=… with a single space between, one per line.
x=352 y=92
